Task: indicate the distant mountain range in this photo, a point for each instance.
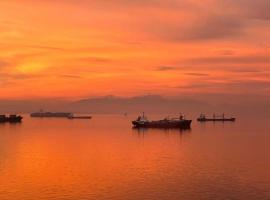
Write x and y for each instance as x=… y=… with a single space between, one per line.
x=150 y=104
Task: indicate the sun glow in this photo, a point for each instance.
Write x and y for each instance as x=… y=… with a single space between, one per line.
x=32 y=67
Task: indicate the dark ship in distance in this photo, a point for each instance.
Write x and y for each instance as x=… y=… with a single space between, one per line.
x=10 y=118
x=143 y=122
x=220 y=118
x=50 y=114
x=72 y=116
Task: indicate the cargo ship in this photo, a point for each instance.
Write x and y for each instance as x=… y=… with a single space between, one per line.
x=10 y=118
x=180 y=122
x=50 y=114
x=220 y=118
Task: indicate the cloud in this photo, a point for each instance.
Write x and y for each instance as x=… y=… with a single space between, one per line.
x=175 y=20
x=195 y=86
x=258 y=9
x=166 y=68
x=243 y=70
x=214 y=27
x=129 y=3
x=226 y=52
x=234 y=86
x=203 y=69
x=3 y=64
x=18 y=76
x=171 y=20
x=9 y=78
x=252 y=59
x=203 y=27
x=96 y=59
x=179 y=68
x=196 y=74
x=44 y=47
x=71 y=76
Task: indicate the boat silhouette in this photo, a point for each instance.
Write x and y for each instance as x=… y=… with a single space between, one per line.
x=221 y=118
x=180 y=122
x=41 y=114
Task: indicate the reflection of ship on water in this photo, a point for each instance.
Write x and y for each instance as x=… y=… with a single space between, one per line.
x=142 y=130
x=218 y=118
x=167 y=123
x=173 y=133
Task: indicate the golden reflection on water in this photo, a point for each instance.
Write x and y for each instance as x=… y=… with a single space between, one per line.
x=106 y=159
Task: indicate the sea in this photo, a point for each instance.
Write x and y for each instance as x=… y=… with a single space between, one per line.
x=106 y=159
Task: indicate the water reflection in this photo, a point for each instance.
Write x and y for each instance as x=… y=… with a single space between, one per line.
x=141 y=130
x=172 y=132
x=9 y=127
x=62 y=159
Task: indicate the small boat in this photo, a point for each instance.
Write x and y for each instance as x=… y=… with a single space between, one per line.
x=180 y=122
x=10 y=118
x=220 y=118
x=72 y=116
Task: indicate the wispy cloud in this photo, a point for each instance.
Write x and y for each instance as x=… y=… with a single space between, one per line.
x=165 y=68
x=234 y=86
x=3 y=64
x=252 y=9
x=71 y=76
x=196 y=74
x=252 y=59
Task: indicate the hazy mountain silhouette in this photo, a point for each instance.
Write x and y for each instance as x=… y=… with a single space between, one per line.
x=193 y=105
x=149 y=104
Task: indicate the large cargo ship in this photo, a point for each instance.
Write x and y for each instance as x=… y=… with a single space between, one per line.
x=50 y=114
x=220 y=118
x=10 y=118
x=180 y=122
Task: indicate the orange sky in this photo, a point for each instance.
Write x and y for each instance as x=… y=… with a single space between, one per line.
x=80 y=48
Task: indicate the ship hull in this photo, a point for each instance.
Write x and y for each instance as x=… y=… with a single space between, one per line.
x=16 y=119
x=182 y=124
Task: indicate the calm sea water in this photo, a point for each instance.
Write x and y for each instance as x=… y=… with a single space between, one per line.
x=104 y=158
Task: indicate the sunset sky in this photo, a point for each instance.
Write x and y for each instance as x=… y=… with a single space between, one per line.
x=81 y=48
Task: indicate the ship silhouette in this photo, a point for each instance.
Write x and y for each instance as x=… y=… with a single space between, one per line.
x=180 y=122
